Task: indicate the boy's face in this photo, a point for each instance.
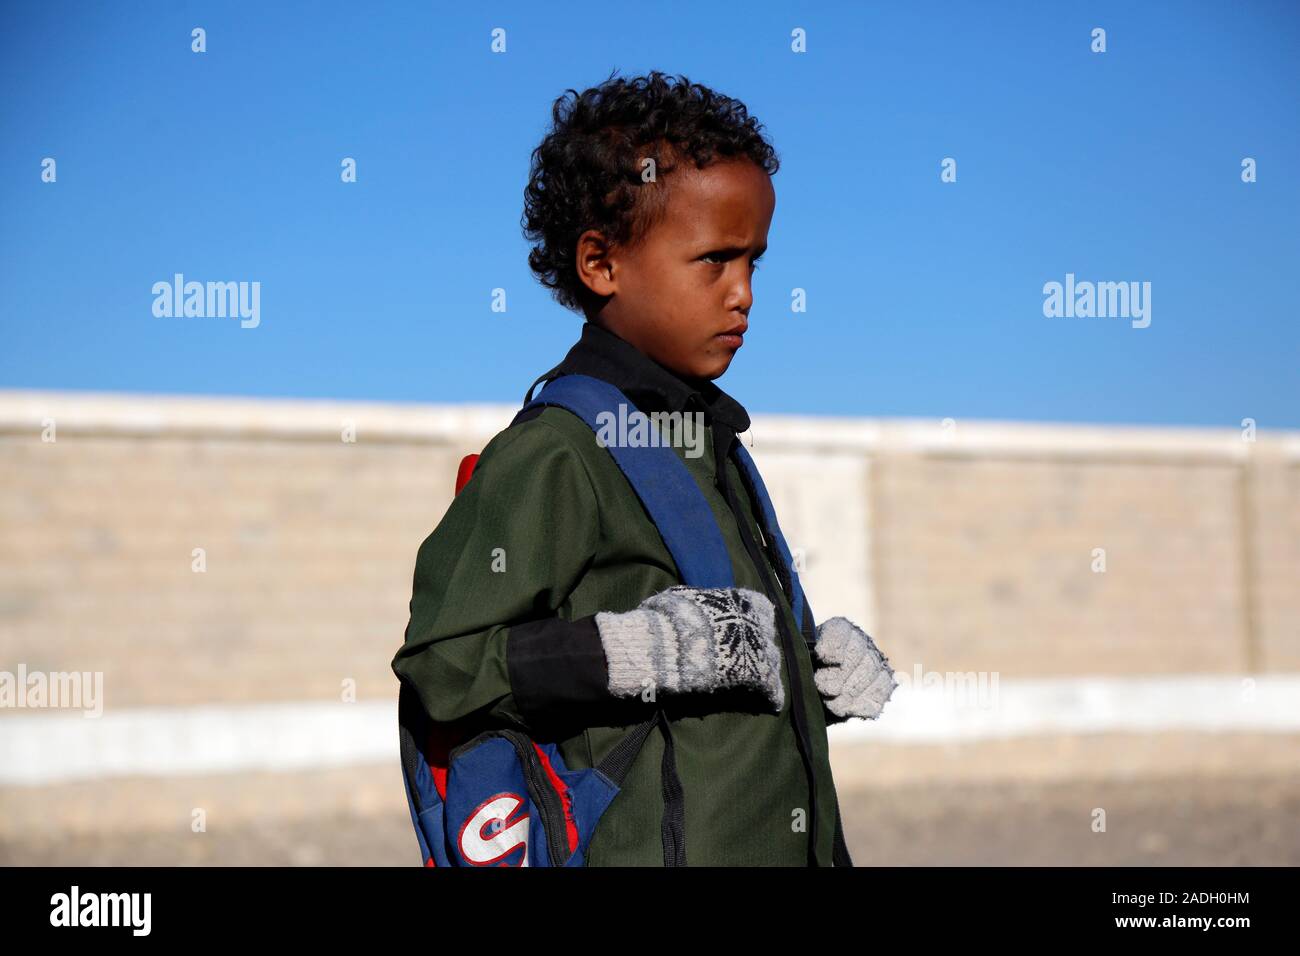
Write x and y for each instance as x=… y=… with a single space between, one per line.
x=681 y=293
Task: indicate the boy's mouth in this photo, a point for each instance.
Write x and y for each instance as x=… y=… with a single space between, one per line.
x=734 y=337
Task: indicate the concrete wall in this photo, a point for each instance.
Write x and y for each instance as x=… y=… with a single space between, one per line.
x=961 y=548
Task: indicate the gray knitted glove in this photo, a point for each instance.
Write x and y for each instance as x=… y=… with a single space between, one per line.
x=849 y=670
x=686 y=639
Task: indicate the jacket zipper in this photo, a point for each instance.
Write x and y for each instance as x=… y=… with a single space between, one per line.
x=774 y=562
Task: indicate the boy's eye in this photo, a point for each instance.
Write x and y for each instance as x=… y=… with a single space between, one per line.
x=722 y=257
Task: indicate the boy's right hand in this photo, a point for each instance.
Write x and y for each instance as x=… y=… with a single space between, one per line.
x=685 y=640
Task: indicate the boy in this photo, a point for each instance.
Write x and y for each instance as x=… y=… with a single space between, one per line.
x=546 y=600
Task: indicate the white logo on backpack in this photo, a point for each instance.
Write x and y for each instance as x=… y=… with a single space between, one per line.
x=490 y=833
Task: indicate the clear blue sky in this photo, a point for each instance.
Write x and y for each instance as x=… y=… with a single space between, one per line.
x=924 y=299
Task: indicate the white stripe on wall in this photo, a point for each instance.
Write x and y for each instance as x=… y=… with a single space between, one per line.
x=1082 y=705
x=40 y=748
x=163 y=742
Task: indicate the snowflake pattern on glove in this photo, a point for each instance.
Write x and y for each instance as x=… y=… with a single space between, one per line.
x=727 y=635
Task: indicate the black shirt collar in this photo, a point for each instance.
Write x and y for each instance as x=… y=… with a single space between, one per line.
x=652 y=387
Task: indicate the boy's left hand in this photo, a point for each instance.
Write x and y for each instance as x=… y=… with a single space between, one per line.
x=850 y=672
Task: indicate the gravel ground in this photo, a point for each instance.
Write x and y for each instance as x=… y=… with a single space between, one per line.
x=1192 y=821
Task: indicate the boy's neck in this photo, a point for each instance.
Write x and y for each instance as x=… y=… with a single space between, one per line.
x=698 y=384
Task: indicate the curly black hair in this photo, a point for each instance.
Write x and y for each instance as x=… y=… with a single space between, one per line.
x=587 y=172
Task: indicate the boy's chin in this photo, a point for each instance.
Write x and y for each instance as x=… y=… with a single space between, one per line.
x=710 y=367
x=706 y=365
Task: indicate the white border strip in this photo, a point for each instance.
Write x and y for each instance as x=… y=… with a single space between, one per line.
x=49 y=748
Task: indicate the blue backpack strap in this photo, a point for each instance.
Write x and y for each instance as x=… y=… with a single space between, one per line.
x=798 y=601
x=660 y=479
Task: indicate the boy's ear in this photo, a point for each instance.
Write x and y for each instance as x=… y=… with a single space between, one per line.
x=594 y=263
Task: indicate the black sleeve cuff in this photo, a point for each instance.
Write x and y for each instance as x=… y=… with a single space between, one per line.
x=556 y=667
x=559 y=678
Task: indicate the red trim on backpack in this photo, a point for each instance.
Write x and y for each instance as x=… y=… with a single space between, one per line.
x=439 y=743
x=465 y=470
x=570 y=824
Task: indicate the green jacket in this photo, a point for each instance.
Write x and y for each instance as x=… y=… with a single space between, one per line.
x=547 y=533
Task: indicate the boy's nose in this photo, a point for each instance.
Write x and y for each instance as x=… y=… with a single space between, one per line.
x=744 y=295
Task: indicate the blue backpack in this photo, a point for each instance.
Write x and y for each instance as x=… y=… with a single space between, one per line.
x=500 y=798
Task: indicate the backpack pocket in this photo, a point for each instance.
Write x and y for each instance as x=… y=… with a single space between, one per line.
x=500 y=798
x=511 y=801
